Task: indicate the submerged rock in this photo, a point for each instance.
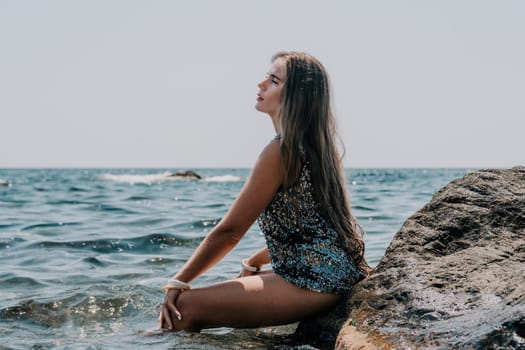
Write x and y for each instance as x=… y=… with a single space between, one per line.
x=452 y=278
x=188 y=174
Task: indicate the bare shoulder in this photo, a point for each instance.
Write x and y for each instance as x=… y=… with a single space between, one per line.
x=269 y=161
x=272 y=151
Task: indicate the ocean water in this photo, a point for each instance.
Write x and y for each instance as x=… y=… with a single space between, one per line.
x=84 y=253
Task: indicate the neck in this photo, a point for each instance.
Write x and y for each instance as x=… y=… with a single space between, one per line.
x=276 y=124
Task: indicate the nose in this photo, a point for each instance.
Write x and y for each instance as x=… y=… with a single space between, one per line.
x=260 y=85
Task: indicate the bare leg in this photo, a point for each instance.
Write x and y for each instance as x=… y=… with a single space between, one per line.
x=253 y=301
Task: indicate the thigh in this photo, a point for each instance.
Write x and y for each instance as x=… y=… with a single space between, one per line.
x=252 y=301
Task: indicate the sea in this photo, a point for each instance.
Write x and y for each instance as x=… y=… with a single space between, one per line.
x=84 y=252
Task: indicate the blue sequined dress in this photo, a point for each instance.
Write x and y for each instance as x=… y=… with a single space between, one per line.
x=304 y=248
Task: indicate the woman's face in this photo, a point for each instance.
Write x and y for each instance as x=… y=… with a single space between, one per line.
x=269 y=96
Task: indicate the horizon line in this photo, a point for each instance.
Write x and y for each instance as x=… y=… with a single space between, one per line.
x=250 y=167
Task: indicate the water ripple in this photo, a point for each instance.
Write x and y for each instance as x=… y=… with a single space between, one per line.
x=113 y=209
x=197 y=224
x=78 y=308
x=143 y=244
x=94 y=261
x=10 y=242
x=12 y=281
x=48 y=225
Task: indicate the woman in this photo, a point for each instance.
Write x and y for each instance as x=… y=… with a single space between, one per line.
x=296 y=191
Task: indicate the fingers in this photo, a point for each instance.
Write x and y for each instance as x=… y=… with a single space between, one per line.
x=165 y=314
x=161 y=323
x=160 y=320
x=169 y=310
x=175 y=311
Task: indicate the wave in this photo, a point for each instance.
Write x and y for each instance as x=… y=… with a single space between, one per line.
x=79 y=308
x=5 y=183
x=363 y=208
x=223 y=178
x=2 y=226
x=144 y=244
x=137 y=179
x=165 y=176
x=139 y=198
x=197 y=224
x=77 y=189
x=6 y=243
x=10 y=280
x=91 y=260
x=111 y=208
x=49 y=225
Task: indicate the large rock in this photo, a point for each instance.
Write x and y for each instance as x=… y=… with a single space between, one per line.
x=452 y=278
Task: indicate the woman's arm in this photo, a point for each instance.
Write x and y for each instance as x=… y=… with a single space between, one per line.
x=260 y=188
x=258 y=191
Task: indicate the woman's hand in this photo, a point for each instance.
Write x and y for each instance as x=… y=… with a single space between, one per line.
x=169 y=312
x=253 y=265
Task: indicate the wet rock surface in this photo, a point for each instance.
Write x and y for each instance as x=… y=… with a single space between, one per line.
x=452 y=278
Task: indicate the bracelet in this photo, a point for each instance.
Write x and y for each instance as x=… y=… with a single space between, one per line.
x=247 y=267
x=176 y=284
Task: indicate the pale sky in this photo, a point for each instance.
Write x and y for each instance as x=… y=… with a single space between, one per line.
x=173 y=83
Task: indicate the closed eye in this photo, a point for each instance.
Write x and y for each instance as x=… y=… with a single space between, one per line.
x=274 y=78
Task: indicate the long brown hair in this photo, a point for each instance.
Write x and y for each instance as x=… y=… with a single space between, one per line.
x=307 y=121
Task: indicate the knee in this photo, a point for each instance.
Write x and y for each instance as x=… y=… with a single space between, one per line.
x=188 y=307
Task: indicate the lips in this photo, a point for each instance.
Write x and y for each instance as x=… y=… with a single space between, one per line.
x=259 y=98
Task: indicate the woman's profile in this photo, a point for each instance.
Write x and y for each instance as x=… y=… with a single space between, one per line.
x=297 y=194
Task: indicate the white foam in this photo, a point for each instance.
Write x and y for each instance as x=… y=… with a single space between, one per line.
x=223 y=178
x=166 y=176
x=141 y=178
x=4 y=183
